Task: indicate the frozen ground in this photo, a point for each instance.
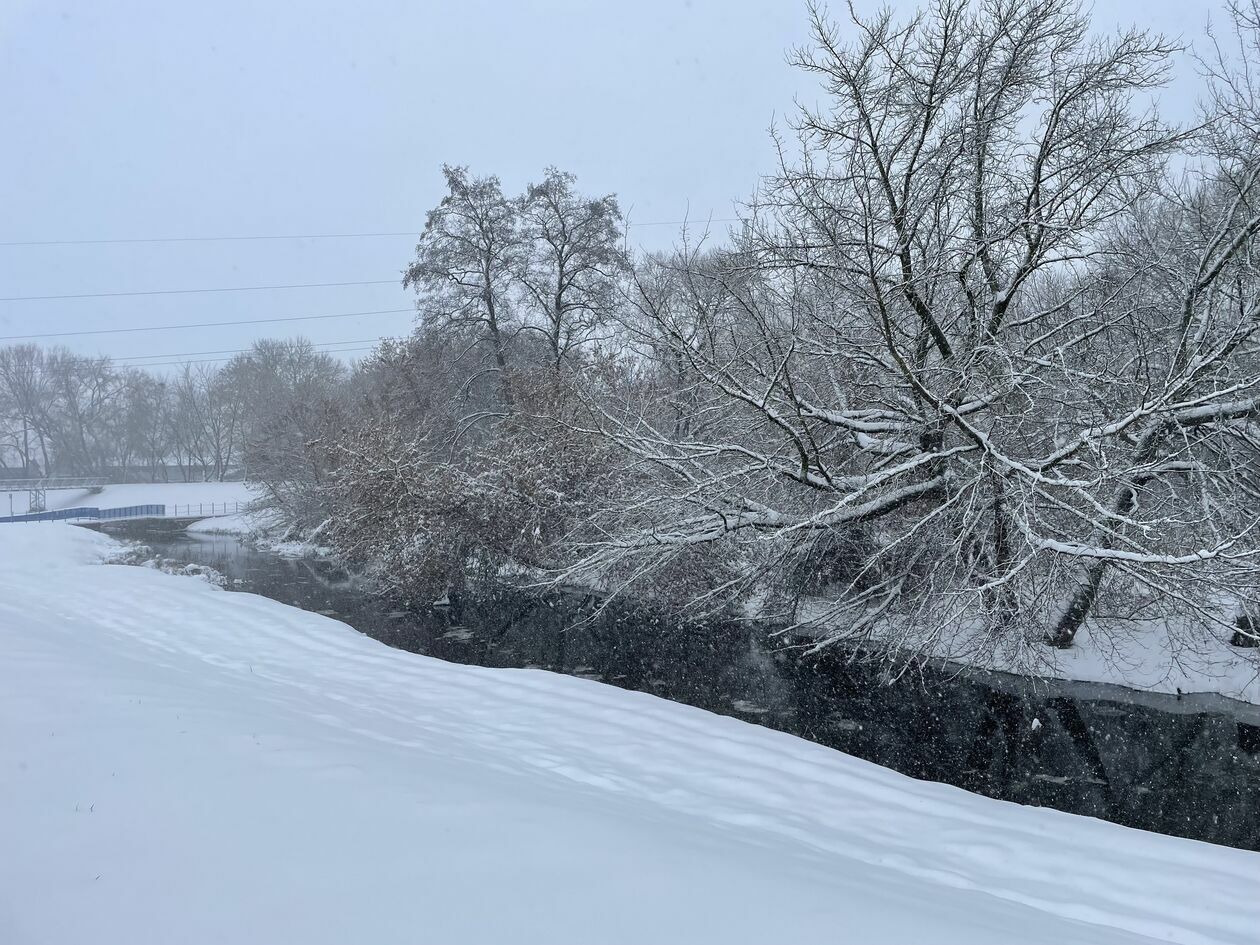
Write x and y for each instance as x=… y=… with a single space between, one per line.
x=239 y=524
x=1146 y=657
x=1156 y=661
x=179 y=763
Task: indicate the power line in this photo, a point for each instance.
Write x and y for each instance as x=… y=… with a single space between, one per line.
x=239 y=288
x=294 y=236
x=687 y=222
x=246 y=321
x=195 y=354
x=203 y=239
x=222 y=360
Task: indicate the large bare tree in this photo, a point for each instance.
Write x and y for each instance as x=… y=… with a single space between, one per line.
x=971 y=346
x=571 y=263
x=464 y=270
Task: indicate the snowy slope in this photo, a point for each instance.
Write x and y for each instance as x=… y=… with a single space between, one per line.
x=180 y=763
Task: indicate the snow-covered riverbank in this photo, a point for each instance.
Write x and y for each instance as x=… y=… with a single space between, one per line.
x=1148 y=660
x=1145 y=658
x=182 y=764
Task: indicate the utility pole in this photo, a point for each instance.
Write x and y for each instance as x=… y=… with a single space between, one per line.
x=31 y=502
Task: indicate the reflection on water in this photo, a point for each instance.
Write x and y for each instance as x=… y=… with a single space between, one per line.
x=1155 y=763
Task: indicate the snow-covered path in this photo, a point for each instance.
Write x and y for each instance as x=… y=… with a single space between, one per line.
x=182 y=764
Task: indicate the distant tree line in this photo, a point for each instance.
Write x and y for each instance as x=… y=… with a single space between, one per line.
x=65 y=414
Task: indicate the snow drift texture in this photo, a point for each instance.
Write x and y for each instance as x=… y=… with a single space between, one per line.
x=180 y=763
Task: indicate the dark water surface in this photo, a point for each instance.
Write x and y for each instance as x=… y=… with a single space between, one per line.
x=1186 y=767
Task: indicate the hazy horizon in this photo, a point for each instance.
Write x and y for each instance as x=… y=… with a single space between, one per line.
x=160 y=121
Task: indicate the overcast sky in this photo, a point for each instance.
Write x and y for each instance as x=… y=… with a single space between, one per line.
x=133 y=120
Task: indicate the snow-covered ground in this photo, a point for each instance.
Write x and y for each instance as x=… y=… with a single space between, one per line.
x=1153 y=660
x=261 y=527
x=239 y=523
x=183 y=494
x=179 y=763
x=1144 y=656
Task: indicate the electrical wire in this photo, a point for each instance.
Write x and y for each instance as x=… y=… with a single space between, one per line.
x=237 y=288
x=246 y=321
x=291 y=236
x=195 y=354
x=223 y=360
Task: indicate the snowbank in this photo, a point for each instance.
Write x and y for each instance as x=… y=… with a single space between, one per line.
x=1146 y=657
x=1154 y=660
x=178 y=763
x=31 y=547
x=239 y=524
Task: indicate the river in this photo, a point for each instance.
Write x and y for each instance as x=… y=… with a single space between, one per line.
x=1188 y=767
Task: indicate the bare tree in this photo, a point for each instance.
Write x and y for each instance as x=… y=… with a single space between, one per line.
x=447 y=478
x=28 y=394
x=146 y=432
x=957 y=343
x=86 y=401
x=186 y=424
x=291 y=398
x=571 y=263
x=464 y=268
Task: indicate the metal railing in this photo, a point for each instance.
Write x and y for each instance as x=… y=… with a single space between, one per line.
x=204 y=509
x=192 y=510
x=52 y=483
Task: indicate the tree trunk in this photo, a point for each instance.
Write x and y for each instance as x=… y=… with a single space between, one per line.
x=1090 y=574
x=1078 y=606
x=1090 y=578
x=1004 y=603
x=500 y=355
x=1245 y=631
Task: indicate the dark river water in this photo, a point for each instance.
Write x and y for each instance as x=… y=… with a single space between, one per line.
x=1189 y=767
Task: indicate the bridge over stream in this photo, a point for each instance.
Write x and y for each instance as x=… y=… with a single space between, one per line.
x=165 y=517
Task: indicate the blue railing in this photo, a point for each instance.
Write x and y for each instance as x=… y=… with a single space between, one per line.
x=61 y=515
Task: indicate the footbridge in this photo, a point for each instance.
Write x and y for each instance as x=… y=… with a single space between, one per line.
x=172 y=516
